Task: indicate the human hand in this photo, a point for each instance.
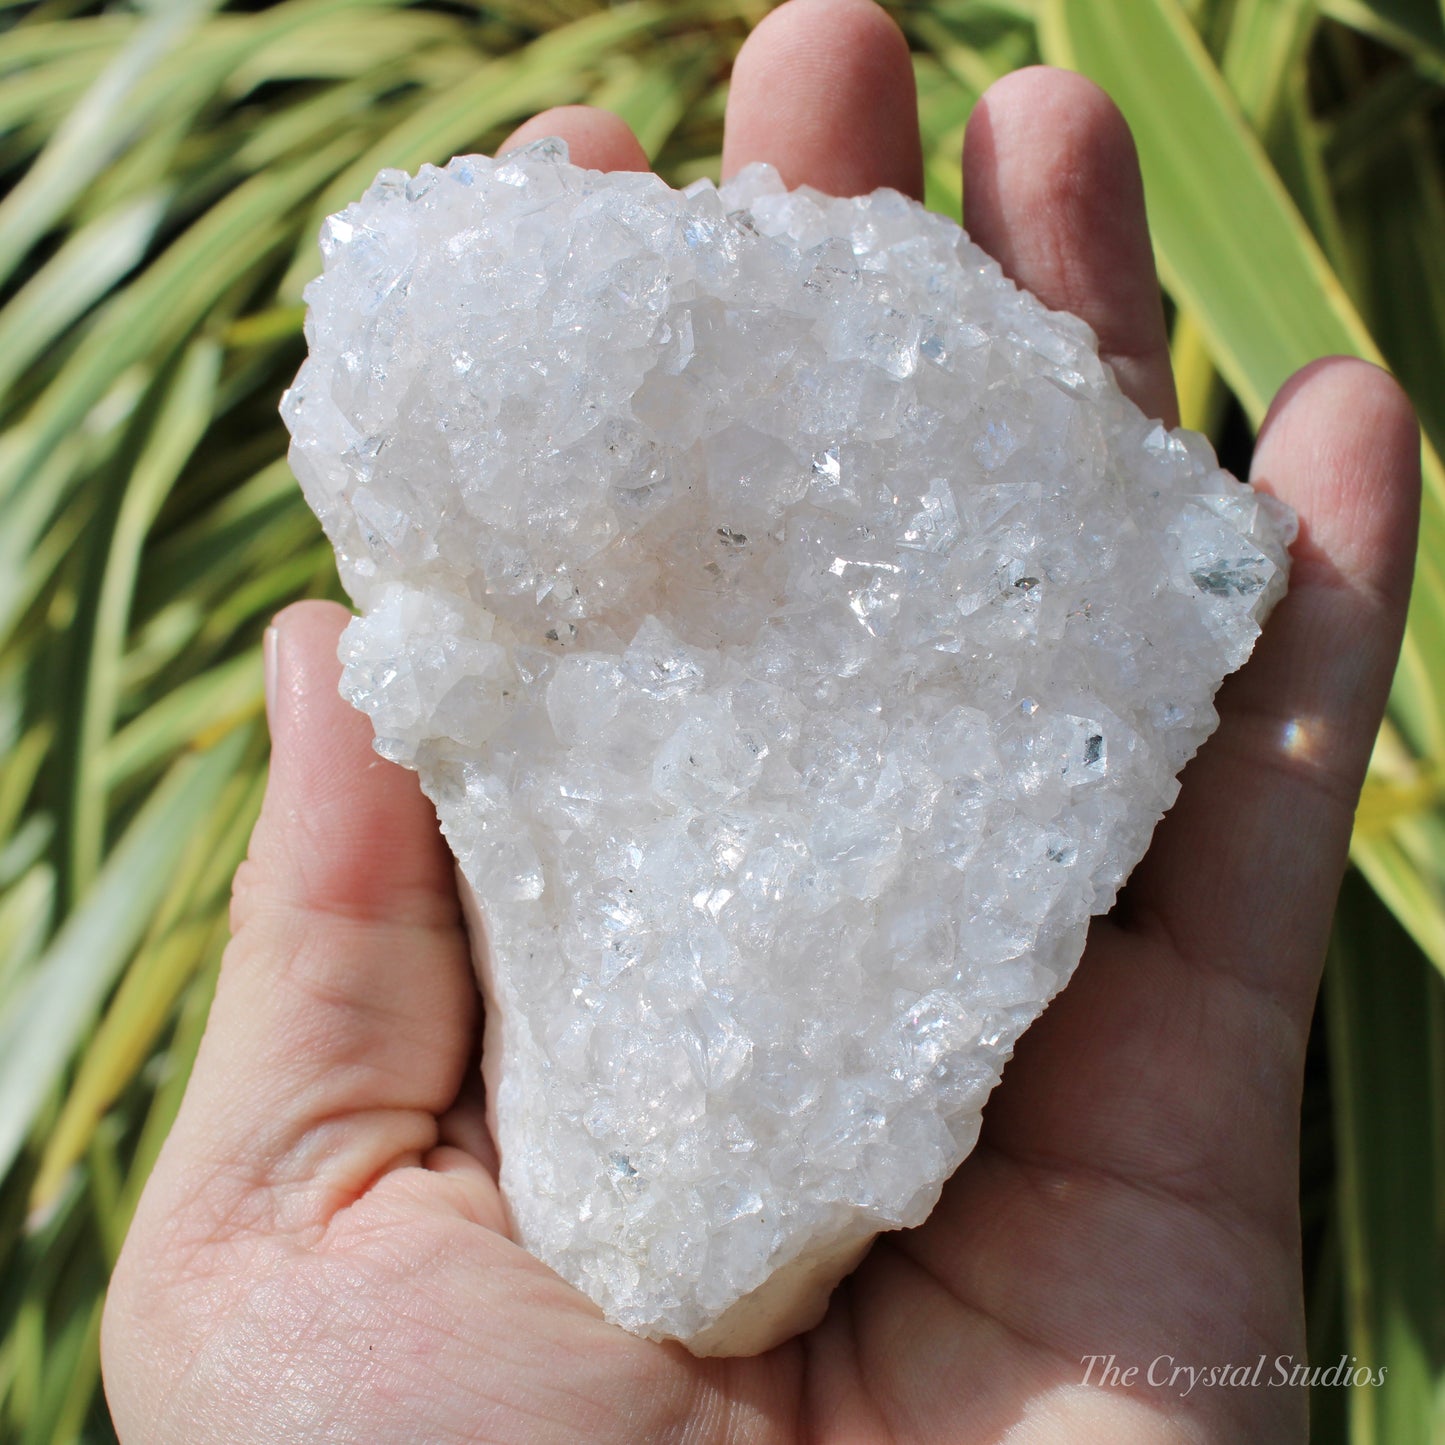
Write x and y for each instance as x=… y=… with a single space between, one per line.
x=321 y=1251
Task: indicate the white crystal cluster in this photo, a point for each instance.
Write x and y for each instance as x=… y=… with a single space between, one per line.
x=799 y=634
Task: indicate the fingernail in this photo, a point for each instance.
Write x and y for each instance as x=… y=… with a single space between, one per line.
x=268 y=670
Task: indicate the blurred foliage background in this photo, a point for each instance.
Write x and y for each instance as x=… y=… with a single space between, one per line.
x=166 y=165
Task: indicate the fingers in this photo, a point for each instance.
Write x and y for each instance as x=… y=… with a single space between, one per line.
x=596 y=139
x=824 y=91
x=1270 y=799
x=344 y=1013
x=1052 y=191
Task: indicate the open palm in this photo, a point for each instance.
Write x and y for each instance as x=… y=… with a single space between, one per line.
x=322 y=1253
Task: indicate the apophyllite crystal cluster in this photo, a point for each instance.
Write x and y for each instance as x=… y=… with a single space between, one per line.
x=800 y=636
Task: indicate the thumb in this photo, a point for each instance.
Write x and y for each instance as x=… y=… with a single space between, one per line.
x=344 y=1012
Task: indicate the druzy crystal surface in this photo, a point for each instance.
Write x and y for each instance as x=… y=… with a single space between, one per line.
x=799 y=635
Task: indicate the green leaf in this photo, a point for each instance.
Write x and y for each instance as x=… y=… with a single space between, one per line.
x=90 y=134
x=180 y=422
x=1265 y=46
x=26 y=909
x=179 y=1056
x=1386 y=1014
x=1395 y=208
x=31 y=45
x=41 y=1026
x=189 y=927
x=88 y=265
x=201 y=708
x=1414 y=27
x=653 y=94
x=147 y=319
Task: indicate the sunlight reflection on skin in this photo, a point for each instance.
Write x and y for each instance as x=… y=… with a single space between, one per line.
x=1302 y=738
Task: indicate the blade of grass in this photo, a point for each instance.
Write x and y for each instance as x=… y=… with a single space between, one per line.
x=25 y=848
x=26 y=909
x=1202 y=397
x=180 y=422
x=1386 y=1015
x=89 y=264
x=35 y=102
x=23 y=760
x=210 y=703
x=71 y=1376
x=970 y=64
x=233 y=240
x=147 y=995
x=1264 y=68
x=87 y=451
x=118 y=1049
x=1413 y=27
x=1407 y=891
x=1259 y=44
x=653 y=93
x=40 y=1027
x=1298 y=150
x=224 y=533
x=1397 y=210
x=179 y=1055
x=333 y=46
x=1267 y=41
x=27 y=46
x=309 y=123
x=90 y=133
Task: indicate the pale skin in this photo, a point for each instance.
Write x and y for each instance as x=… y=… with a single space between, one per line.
x=321 y=1252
